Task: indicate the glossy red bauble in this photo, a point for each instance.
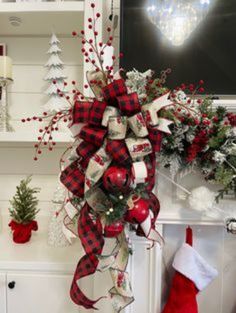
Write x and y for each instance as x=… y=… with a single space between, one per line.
x=116 y=179
x=139 y=212
x=113 y=230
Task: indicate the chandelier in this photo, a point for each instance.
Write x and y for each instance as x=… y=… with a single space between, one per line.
x=177 y=19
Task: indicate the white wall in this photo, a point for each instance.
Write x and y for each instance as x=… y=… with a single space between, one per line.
x=26 y=98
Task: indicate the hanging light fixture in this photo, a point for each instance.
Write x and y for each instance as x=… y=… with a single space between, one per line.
x=177 y=19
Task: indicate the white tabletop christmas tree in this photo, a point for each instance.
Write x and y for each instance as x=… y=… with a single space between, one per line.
x=55 y=77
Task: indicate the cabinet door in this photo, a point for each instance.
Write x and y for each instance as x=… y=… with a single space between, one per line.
x=39 y=293
x=3 y=293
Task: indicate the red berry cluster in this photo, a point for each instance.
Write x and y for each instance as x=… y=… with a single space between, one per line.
x=45 y=137
x=232 y=119
x=192 y=88
x=199 y=143
x=93 y=49
x=186 y=111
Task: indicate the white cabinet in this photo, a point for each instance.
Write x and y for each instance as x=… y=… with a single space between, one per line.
x=32 y=292
x=3 y=297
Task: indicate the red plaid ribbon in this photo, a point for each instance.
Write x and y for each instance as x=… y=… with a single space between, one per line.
x=114 y=89
x=85 y=150
x=151 y=167
x=90 y=234
x=118 y=151
x=73 y=179
x=92 y=135
x=155 y=137
x=129 y=104
x=96 y=112
x=81 y=112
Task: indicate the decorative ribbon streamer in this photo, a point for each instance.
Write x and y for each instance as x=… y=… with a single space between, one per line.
x=121 y=293
x=109 y=111
x=96 y=168
x=139 y=172
x=138 y=125
x=147 y=228
x=150 y=112
x=90 y=234
x=117 y=126
x=138 y=147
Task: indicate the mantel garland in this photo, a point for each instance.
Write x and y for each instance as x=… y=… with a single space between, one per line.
x=120 y=134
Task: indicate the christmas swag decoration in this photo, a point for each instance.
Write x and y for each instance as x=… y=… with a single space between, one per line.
x=110 y=171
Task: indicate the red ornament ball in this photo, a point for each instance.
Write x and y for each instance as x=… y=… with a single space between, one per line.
x=114 y=229
x=139 y=212
x=116 y=179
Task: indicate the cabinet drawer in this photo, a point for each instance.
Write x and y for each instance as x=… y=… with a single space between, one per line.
x=39 y=293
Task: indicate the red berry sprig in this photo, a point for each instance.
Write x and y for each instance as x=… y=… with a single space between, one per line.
x=45 y=137
x=93 y=50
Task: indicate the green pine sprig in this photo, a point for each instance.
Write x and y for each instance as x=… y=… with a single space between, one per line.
x=24 y=203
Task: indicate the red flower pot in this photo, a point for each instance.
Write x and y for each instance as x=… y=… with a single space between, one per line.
x=22 y=232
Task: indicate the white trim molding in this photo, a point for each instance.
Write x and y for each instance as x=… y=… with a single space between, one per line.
x=230 y=104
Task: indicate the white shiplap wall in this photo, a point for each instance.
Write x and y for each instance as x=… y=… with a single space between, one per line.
x=26 y=98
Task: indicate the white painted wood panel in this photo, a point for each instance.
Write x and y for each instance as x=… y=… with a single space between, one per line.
x=145 y=270
x=32 y=50
x=32 y=126
x=45 y=175
x=229 y=274
x=25 y=82
x=40 y=293
x=3 y=293
x=47 y=183
x=31 y=17
x=48 y=163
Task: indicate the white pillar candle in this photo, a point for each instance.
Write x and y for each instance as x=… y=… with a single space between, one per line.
x=5 y=67
x=107 y=57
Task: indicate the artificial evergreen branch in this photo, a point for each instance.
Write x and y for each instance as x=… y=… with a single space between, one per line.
x=24 y=203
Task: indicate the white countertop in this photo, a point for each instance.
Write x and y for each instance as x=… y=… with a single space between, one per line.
x=36 y=254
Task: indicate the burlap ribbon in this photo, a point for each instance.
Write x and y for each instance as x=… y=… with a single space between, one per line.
x=121 y=294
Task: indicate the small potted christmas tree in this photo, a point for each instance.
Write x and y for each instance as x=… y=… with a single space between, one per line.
x=23 y=212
